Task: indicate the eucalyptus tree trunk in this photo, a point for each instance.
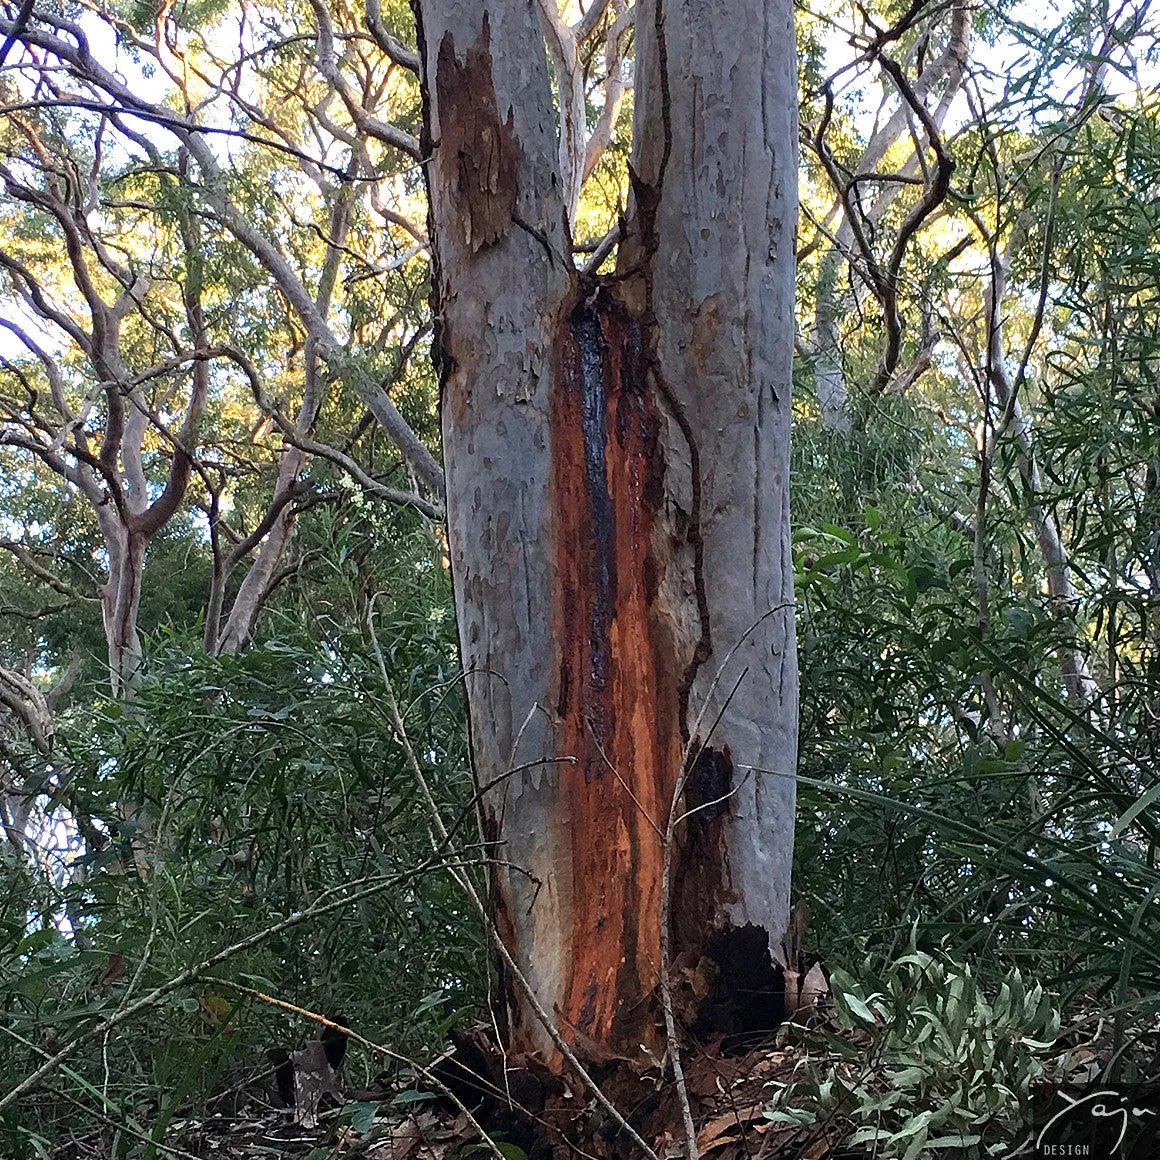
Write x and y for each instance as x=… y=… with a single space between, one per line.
x=616 y=451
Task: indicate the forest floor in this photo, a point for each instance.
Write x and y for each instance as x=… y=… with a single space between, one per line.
x=728 y=1096
x=542 y=1117
x=472 y=1095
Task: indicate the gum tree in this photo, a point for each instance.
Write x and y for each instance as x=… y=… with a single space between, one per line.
x=616 y=454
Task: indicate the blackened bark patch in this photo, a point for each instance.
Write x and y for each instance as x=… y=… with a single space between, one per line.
x=616 y=688
x=702 y=885
x=591 y=348
x=283 y=1074
x=709 y=785
x=747 y=1000
x=507 y=1100
x=478 y=154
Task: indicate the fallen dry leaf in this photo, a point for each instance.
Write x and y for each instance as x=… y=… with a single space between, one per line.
x=113 y=972
x=313 y=1079
x=814 y=989
x=718 y=1132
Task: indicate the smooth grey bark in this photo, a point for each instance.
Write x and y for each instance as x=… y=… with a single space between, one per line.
x=723 y=294
x=496 y=306
x=28 y=705
x=829 y=375
x=579 y=148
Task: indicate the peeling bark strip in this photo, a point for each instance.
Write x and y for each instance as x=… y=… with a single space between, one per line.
x=617 y=680
x=478 y=156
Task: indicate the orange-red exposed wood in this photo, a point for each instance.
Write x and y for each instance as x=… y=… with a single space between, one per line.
x=616 y=687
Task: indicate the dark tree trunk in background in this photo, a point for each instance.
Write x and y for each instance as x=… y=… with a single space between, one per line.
x=617 y=498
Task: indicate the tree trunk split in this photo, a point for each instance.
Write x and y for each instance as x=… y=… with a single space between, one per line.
x=617 y=470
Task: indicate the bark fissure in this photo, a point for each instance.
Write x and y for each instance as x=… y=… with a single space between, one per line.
x=636 y=266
